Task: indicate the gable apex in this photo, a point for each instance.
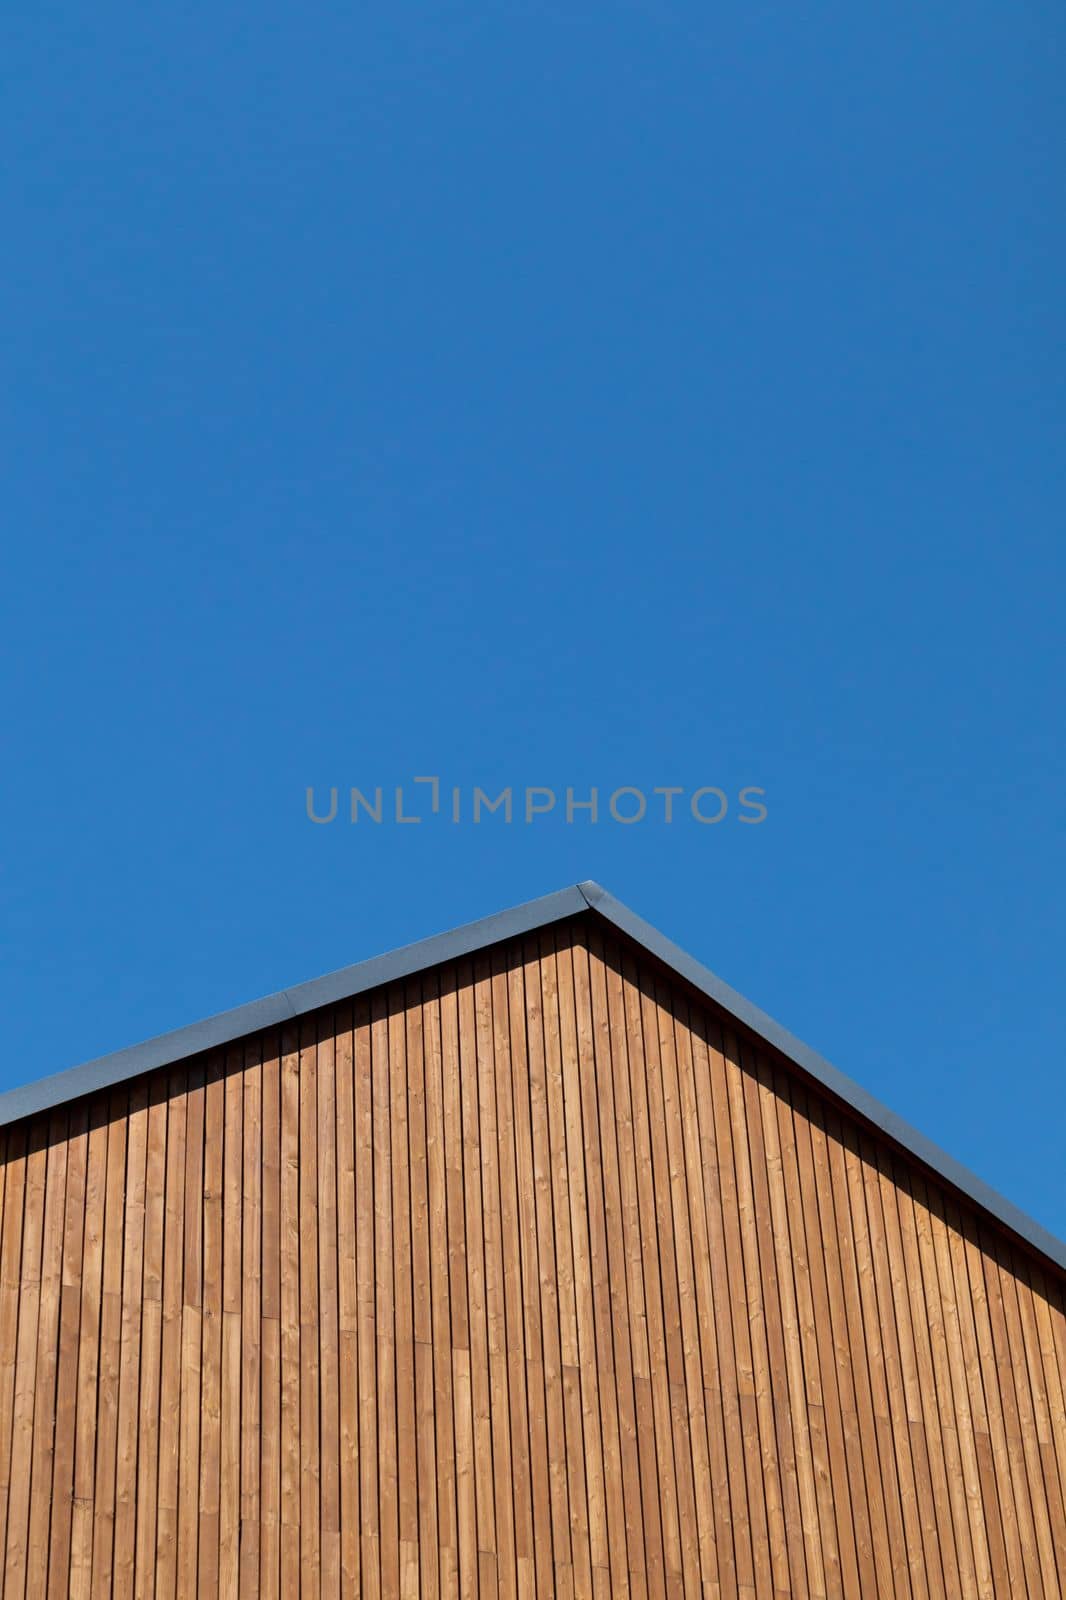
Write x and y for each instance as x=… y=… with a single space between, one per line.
x=583 y=899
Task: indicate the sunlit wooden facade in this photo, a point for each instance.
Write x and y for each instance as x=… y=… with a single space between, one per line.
x=531 y=1273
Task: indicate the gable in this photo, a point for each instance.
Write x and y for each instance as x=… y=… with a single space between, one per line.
x=531 y=1271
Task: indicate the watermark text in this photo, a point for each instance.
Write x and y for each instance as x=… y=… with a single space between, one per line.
x=425 y=799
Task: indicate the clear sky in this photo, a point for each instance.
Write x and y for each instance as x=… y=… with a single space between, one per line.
x=544 y=395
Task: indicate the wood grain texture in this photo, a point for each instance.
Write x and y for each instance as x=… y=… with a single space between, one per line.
x=528 y=1276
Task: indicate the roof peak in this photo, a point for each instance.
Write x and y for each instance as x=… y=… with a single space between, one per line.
x=575 y=900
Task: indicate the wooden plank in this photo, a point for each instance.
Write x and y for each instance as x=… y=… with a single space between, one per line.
x=862 y=1470
x=584 y=1265
x=365 y=1230
x=1045 y=1544
x=16 y=1562
x=404 y=1367
x=518 y=1053
x=41 y=1462
x=675 y=1065
x=466 y=1492
x=170 y=1341
x=629 y=1206
x=772 y=1365
x=270 y=1460
x=989 y=1504
x=62 y=1496
x=310 y=1392
x=833 y=1425
x=662 y=1214
x=1040 y=1318
x=110 y=1349
x=889 y=1345
x=270 y=1433
x=521 y=1286
x=565 y=1391
x=831 y=1165
x=657 y=1382
x=876 y=1364
x=1004 y=1369
x=150 y=1398
x=476 y=1372
x=329 y=1327
x=1001 y=1460
x=439 y=1249
x=229 y=1500
x=229 y=1486
x=622 y=1552
x=347 y=1307
x=699 y=1161
x=502 y=1467
x=948 y=1491
x=289 y=1321
x=251 y=1327
x=385 y=1314
x=189 y=1464
x=129 y=1385
x=852 y=1522
x=748 y=1496
x=427 y=1576
x=810 y=1348
x=939 y=1312
x=145 y=1562
x=517 y=1253
x=887 y=1218
x=211 y=1329
x=424 y=1380
x=559 y=1562
x=1044 y=1425
x=610 y=1301
x=15 y=1163
x=417 y=1164
x=451 y=1081
x=819 y=1552
x=19 y=1558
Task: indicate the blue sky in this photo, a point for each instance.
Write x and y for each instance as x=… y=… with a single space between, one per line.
x=544 y=395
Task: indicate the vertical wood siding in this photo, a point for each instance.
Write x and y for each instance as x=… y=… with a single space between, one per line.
x=521 y=1278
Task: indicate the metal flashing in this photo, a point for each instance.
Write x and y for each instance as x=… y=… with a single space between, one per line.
x=169 y=1048
x=845 y=1089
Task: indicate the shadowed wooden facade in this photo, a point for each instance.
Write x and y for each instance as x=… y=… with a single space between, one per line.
x=529 y=1275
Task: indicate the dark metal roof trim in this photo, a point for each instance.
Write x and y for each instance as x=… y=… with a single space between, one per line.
x=169 y=1048
x=843 y=1087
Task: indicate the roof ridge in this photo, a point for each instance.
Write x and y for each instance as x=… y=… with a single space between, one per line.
x=587 y=896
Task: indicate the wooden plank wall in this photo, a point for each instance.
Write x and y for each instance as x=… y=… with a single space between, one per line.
x=521 y=1278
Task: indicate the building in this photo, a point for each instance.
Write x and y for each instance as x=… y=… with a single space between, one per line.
x=529 y=1260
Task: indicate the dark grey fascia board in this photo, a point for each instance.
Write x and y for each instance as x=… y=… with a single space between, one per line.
x=809 y=1061
x=168 y=1048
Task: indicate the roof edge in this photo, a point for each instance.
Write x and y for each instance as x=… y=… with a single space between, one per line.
x=165 y=1049
x=169 y=1048
x=845 y=1089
